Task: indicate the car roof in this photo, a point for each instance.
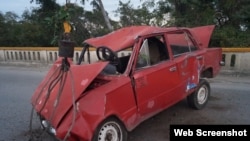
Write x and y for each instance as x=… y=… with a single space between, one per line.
x=124 y=37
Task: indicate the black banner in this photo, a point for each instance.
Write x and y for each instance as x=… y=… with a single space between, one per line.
x=198 y=132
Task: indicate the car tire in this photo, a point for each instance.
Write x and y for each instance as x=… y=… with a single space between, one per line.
x=110 y=130
x=199 y=98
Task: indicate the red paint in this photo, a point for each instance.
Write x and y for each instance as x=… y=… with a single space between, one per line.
x=132 y=96
x=124 y=37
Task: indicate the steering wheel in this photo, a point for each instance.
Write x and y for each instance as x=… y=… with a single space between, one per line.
x=106 y=54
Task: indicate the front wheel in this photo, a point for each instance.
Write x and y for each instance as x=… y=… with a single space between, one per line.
x=199 y=98
x=110 y=130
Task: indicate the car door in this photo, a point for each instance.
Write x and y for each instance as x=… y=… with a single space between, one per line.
x=189 y=60
x=155 y=76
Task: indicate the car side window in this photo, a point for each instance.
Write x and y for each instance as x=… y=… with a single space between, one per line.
x=153 y=51
x=180 y=43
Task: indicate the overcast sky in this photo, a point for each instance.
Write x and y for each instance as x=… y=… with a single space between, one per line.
x=18 y=6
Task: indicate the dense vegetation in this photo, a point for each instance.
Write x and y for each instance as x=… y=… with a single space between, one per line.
x=42 y=26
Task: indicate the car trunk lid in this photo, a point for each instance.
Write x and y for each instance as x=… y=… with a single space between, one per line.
x=202 y=34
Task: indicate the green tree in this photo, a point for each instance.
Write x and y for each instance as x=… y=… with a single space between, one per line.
x=40 y=25
x=47 y=8
x=98 y=5
x=231 y=17
x=84 y=23
x=134 y=16
x=9 y=28
x=236 y=30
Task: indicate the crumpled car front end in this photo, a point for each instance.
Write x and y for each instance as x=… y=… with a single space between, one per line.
x=56 y=99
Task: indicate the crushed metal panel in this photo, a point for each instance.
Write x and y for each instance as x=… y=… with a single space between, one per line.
x=124 y=37
x=83 y=75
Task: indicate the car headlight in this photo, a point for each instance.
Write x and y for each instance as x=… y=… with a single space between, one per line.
x=48 y=127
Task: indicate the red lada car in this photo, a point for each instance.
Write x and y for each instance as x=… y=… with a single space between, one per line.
x=124 y=78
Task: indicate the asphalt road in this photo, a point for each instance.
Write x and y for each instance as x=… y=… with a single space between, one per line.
x=229 y=104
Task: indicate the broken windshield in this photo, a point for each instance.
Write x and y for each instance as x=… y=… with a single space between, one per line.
x=118 y=61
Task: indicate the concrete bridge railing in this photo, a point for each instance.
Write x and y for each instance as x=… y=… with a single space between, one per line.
x=32 y=55
x=236 y=59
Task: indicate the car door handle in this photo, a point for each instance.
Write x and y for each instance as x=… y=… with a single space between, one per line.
x=172 y=69
x=199 y=57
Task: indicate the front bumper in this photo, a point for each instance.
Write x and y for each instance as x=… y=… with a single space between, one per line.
x=79 y=132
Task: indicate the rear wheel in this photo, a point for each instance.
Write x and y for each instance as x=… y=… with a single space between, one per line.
x=199 y=98
x=110 y=130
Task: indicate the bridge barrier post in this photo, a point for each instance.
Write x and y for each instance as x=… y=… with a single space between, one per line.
x=2 y=57
x=237 y=60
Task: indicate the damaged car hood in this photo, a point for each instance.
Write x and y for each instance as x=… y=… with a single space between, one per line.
x=51 y=102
